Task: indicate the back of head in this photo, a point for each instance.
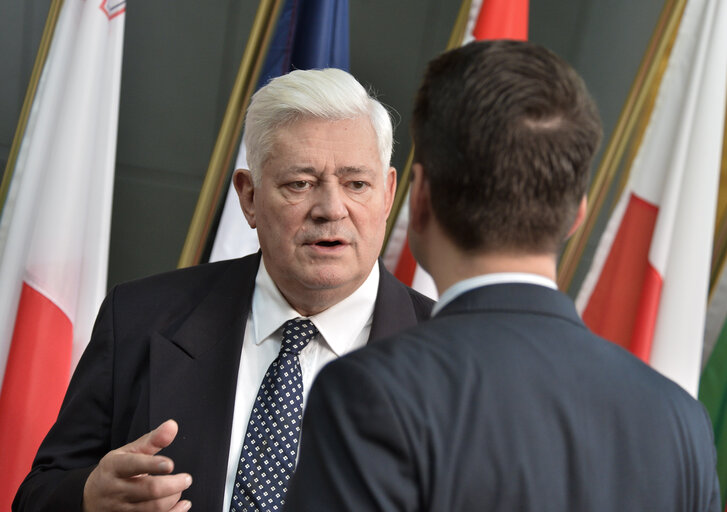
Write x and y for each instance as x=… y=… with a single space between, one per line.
x=331 y=94
x=506 y=132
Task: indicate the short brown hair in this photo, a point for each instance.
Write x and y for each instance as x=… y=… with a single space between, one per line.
x=506 y=132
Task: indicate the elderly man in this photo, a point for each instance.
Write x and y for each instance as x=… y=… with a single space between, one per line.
x=503 y=401
x=227 y=351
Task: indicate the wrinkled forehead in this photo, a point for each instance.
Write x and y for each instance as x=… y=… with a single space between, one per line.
x=317 y=143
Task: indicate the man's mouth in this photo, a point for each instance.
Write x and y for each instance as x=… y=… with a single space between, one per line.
x=328 y=243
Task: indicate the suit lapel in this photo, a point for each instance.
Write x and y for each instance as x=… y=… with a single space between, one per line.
x=393 y=310
x=194 y=375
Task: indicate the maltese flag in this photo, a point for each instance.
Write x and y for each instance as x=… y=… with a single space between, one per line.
x=54 y=229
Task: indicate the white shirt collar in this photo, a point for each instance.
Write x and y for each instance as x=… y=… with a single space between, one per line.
x=339 y=325
x=466 y=285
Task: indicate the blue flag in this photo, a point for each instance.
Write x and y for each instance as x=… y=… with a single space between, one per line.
x=309 y=34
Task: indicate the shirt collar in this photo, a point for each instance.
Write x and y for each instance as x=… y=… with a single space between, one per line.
x=471 y=283
x=338 y=325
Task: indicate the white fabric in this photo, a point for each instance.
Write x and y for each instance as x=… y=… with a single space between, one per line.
x=424 y=283
x=235 y=238
x=471 y=283
x=472 y=17
x=55 y=225
x=343 y=327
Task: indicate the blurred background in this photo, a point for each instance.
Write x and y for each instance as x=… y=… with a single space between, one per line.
x=179 y=63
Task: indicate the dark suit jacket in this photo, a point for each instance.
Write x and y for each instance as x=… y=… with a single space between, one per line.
x=502 y=402
x=168 y=346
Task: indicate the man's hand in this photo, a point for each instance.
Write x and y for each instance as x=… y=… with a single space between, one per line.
x=133 y=477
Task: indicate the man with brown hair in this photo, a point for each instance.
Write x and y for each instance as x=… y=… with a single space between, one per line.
x=504 y=400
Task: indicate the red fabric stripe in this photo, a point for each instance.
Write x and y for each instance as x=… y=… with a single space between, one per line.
x=643 y=335
x=406 y=266
x=614 y=304
x=36 y=378
x=502 y=19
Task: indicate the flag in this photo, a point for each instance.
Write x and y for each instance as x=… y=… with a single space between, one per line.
x=647 y=287
x=488 y=19
x=54 y=229
x=309 y=34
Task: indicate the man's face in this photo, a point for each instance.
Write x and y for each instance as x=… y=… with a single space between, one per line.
x=320 y=209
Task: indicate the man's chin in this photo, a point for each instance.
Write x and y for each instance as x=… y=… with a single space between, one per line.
x=332 y=277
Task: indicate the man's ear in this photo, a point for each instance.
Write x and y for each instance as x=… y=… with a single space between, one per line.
x=242 y=179
x=390 y=188
x=420 y=206
x=580 y=216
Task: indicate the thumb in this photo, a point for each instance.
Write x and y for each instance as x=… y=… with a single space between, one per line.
x=153 y=441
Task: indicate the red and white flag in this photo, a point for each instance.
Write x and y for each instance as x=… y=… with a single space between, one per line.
x=54 y=229
x=488 y=19
x=647 y=288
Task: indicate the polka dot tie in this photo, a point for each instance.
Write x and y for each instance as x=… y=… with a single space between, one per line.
x=270 y=446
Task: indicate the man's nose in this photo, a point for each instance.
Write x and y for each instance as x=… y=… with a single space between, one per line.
x=330 y=203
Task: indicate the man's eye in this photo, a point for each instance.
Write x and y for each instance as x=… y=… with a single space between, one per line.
x=299 y=185
x=358 y=185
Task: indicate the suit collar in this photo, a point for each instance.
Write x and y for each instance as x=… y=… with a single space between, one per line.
x=228 y=298
x=516 y=298
x=471 y=283
x=393 y=310
x=340 y=325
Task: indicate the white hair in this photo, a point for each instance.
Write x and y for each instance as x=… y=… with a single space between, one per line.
x=330 y=94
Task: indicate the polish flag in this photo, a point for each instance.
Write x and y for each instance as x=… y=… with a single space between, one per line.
x=488 y=19
x=54 y=229
x=647 y=288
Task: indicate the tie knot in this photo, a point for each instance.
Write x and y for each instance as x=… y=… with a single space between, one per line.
x=296 y=334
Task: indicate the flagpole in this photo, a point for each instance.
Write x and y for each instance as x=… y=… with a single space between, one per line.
x=719 y=248
x=40 y=58
x=647 y=78
x=247 y=75
x=455 y=39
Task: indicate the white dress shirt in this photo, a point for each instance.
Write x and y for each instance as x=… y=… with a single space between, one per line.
x=466 y=285
x=342 y=328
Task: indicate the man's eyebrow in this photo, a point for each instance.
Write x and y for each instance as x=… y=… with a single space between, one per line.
x=300 y=170
x=343 y=171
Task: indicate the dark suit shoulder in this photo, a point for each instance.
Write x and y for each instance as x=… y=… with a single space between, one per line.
x=183 y=278
x=478 y=391
x=422 y=304
x=397 y=307
x=391 y=289
x=153 y=298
